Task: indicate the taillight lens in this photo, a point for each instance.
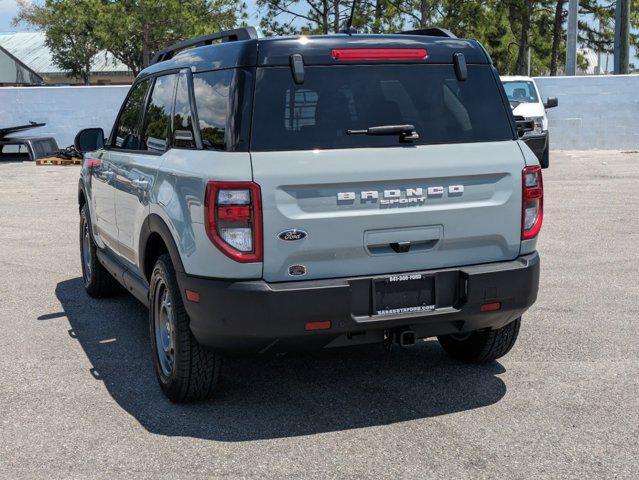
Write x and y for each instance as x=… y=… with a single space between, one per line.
x=234 y=219
x=532 y=202
x=355 y=54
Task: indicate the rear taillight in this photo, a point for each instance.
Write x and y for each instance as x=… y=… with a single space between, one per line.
x=234 y=219
x=532 y=202
x=355 y=54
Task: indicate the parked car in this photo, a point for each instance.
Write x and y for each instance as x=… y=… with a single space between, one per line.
x=526 y=102
x=266 y=195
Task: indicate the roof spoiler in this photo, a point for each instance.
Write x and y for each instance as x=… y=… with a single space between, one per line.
x=430 y=32
x=237 y=34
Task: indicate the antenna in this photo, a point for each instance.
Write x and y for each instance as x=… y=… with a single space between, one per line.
x=348 y=28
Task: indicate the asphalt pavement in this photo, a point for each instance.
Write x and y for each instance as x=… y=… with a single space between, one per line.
x=78 y=398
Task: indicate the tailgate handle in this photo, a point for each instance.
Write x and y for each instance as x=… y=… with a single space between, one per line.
x=402 y=240
x=401 y=247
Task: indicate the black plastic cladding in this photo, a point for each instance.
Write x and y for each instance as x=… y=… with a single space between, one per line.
x=316 y=50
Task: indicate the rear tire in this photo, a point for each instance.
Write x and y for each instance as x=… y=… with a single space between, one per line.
x=98 y=282
x=186 y=370
x=481 y=346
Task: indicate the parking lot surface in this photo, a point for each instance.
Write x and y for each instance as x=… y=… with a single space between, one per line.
x=78 y=397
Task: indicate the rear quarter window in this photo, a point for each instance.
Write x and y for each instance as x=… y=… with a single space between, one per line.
x=334 y=99
x=223 y=102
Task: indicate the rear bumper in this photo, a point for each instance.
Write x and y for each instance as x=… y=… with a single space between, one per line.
x=256 y=316
x=537 y=144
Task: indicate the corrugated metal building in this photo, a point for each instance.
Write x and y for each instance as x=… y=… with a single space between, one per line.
x=31 y=50
x=14 y=72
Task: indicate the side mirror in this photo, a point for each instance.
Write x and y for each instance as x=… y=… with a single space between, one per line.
x=551 y=102
x=524 y=126
x=89 y=139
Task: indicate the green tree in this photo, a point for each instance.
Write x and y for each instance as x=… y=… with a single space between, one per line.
x=557 y=35
x=69 y=26
x=133 y=30
x=286 y=17
x=379 y=16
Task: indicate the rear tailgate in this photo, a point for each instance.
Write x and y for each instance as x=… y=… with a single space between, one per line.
x=388 y=210
x=370 y=204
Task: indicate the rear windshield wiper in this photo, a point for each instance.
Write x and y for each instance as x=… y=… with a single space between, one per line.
x=406 y=133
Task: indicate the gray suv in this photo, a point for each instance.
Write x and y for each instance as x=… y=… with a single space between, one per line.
x=266 y=195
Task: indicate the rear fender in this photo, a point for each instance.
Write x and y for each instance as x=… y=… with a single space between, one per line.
x=155 y=224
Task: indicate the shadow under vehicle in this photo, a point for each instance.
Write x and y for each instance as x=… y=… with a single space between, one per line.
x=273 y=396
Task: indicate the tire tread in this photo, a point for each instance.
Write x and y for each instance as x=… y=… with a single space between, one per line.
x=198 y=368
x=483 y=346
x=102 y=284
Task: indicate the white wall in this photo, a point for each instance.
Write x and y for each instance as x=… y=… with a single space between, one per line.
x=595 y=112
x=65 y=110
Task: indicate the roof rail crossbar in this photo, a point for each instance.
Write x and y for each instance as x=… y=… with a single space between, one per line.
x=243 y=33
x=431 y=32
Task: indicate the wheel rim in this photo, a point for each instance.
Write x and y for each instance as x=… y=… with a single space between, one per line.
x=164 y=326
x=86 y=253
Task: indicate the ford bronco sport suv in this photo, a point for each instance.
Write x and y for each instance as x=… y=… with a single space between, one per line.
x=263 y=195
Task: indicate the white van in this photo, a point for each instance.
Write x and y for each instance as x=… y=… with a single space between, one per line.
x=526 y=102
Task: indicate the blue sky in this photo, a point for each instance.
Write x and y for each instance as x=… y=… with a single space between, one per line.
x=8 y=10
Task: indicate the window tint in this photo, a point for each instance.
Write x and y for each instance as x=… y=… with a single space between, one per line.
x=335 y=99
x=522 y=92
x=212 y=97
x=299 y=109
x=128 y=132
x=183 y=133
x=158 y=114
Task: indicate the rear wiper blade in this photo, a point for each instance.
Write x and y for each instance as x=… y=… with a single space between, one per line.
x=406 y=133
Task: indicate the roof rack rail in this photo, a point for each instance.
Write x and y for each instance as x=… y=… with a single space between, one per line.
x=431 y=32
x=243 y=33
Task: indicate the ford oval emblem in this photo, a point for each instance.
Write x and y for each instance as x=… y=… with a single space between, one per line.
x=292 y=235
x=296 y=270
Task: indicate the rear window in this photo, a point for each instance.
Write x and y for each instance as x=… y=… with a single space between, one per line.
x=334 y=99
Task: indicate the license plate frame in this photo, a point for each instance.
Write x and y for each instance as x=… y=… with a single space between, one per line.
x=404 y=294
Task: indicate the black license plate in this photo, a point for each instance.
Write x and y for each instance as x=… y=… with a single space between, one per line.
x=399 y=294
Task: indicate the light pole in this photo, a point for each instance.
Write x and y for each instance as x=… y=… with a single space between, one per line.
x=571 y=43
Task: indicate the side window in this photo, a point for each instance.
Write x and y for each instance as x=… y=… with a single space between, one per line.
x=158 y=114
x=183 y=133
x=211 y=90
x=128 y=131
